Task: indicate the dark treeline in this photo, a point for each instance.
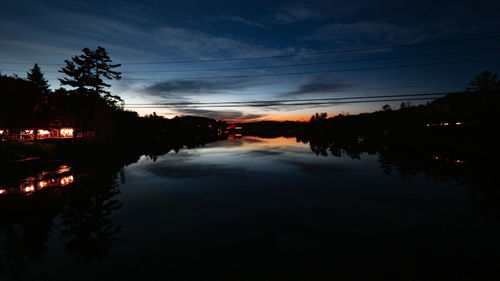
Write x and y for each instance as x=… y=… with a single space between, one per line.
x=24 y=106
x=465 y=118
x=87 y=106
x=113 y=138
x=450 y=139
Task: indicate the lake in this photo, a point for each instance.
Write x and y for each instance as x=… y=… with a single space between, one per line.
x=255 y=209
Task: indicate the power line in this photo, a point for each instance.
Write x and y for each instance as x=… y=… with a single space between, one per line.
x=297 y=64
x=317 y=72
x=412 y=86
x=316 y=63
x=289 y=100
x=296 y=104
x=300 y=54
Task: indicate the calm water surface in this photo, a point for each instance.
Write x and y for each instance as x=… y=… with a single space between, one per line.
x=257 y=209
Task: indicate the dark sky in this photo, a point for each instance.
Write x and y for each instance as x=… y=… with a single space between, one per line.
x=47 y=32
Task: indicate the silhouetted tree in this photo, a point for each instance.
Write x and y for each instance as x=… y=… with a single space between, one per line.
x=87 y=71
x=318 y=117
x=386 y=107
x=103 y=68
x=35 y=76
x=484 y=83
x=20 y=102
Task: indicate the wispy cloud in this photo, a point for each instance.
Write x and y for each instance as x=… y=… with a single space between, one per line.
x=240 y=20
x=197 y=44
x=369 y=33
x=296 y=13
x=319 y=85
x=231 y=115
x=135 y=37
x=318 y=168
x=184 y=165
x=31 y=46
x=181 y=88
x=360 y=33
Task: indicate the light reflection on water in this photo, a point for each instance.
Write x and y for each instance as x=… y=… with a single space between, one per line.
x=253 y=209
x=62 y=176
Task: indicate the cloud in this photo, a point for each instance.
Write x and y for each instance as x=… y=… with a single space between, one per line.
x=327 y=168
x=197 y=44
x=232 y=115
x=134 y=38
x=319 y=85
x=183 y=165
x=370 y=33
x=359 y=33
x=241 y=20
x=179 y=88
x=263 y=153
x=30 y=46
x=296 y=13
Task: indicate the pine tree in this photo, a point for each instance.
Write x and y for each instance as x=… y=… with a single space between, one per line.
x=35 y=76
x=103 y=68
x=87 y=71
x=485 y=82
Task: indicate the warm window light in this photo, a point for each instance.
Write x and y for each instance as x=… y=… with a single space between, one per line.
x=445 y=124
x=43 y=132
x=67 y=132
x=3 y=191
x=66 y=180
x=29 y=188
x=1 y=132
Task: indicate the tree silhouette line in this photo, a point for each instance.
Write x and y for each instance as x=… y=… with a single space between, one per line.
x=470 y=115
x=87 y=105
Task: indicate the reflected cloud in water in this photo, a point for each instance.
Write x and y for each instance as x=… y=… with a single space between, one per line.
x=319 y=168
x=189 y=169
x=249 y=203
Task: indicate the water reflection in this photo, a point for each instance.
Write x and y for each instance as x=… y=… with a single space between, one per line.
x=58 y=177
x=73 y=205
x=243 y=208
x=472 y=170
x=87 y=229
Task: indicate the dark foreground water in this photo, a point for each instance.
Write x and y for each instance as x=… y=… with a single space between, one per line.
x=253 y=209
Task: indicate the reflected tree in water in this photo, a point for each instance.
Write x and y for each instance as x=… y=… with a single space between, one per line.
x=475 y=173
x=23 y=243
x=87 y=229
x=319 y=149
